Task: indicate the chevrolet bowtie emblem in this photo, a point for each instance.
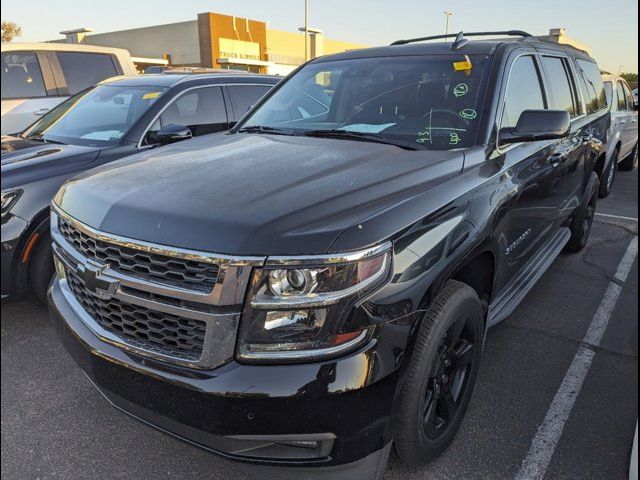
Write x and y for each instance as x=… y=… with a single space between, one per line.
x=95 y=281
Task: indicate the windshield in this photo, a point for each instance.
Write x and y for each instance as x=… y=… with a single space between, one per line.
x=423 y=102
x=99 y=116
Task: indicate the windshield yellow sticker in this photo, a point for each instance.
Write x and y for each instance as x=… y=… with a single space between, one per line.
x=150 y=95
x=463 y=66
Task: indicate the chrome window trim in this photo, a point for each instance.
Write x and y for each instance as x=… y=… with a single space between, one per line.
x=139 y=145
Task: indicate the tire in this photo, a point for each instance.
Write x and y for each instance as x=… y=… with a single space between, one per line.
x=609 y=174
x=582 y=221
x=41 y=268
x=428 y=413
x=630 y=162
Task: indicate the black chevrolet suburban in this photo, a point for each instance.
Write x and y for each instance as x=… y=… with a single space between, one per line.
x=315 y=287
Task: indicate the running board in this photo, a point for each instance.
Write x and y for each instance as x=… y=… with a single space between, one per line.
x=507 y=302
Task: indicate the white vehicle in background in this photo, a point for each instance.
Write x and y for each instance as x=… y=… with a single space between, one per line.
x=622 y=147
x=635 y=96
x=38 y=76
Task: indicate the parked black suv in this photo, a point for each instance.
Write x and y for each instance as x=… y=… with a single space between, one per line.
x=317 y=285
x=114 y=119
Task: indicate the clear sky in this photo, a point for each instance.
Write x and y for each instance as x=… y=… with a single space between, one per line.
x=610 y=27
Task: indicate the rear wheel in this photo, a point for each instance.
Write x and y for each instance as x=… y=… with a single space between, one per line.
x=41 y=268
x=439 y=378
x=630 y=162
x=606 y=181
x=582 y=222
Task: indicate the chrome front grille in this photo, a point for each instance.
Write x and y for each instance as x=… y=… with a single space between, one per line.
x=174 y=305
x=188 y=274
x=148 y=329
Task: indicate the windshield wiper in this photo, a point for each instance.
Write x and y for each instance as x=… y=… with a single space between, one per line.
x=40 y=138
x=362 y=136
x=262 y=129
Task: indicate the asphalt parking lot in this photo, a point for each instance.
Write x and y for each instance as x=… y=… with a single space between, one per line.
x=55 y=425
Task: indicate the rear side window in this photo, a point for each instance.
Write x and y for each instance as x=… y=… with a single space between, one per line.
x=524 y=91
x=244 y=97
x=629 y=95
x=21 y=76
x=81 y=70
x=561 y=90
x=622 y=102
x=592 y=86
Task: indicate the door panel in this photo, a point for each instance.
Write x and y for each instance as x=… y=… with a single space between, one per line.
x=532 y=174
x=569 y=154
x=531 y=216
x=630 y=131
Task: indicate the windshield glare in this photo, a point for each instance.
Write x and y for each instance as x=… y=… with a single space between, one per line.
x=99 y=116
x=427 y=101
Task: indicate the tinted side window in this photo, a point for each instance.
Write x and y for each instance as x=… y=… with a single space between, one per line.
x=561 y=90
x=608 y=90
x=592 y=86
x=524 y=91
x=629 y=95
x=202 y=110
x=81 y=70
x=21 y=76
x=622 y=101
x=244 y=96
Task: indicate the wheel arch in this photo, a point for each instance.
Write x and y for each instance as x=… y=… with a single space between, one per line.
x=38 y=225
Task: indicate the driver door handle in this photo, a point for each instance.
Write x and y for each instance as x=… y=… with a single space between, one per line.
x=41 y=111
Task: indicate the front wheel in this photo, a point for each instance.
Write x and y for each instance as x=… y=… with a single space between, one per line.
x=440 y=375
x=41 y=268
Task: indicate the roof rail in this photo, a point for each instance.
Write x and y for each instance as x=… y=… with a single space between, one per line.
x=458 y=36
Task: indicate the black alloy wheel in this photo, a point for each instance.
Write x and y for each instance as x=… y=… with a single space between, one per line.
x=439 y=374
x=449 y=378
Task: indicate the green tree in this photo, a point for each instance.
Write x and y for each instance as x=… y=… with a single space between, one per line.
x=630 y=77
x=10 y=30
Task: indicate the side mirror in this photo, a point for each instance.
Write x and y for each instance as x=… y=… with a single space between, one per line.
x=173 y=133
x=534 y=125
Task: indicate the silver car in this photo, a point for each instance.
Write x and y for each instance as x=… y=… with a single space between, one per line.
x=622 y=147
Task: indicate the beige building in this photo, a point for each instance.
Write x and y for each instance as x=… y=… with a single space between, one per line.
x=218 y=41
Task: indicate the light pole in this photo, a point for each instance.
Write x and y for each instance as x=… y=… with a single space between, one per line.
x=447 y=14
x=306 y=30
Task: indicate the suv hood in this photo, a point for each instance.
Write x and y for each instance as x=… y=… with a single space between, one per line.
x=25 y=161
x=249 y=194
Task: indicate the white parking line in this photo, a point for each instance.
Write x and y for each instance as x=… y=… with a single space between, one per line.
x=619 y=217
x=543 y=445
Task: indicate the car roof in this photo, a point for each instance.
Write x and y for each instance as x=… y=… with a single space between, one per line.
x=608 y=77
x=471 y=47
x=63 y=47
x=164 y=80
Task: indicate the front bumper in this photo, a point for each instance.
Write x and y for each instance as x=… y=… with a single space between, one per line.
x=13 y=281
x=256 y=414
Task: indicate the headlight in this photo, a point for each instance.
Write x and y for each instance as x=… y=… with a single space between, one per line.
x=9 y=199
x=299 y=309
